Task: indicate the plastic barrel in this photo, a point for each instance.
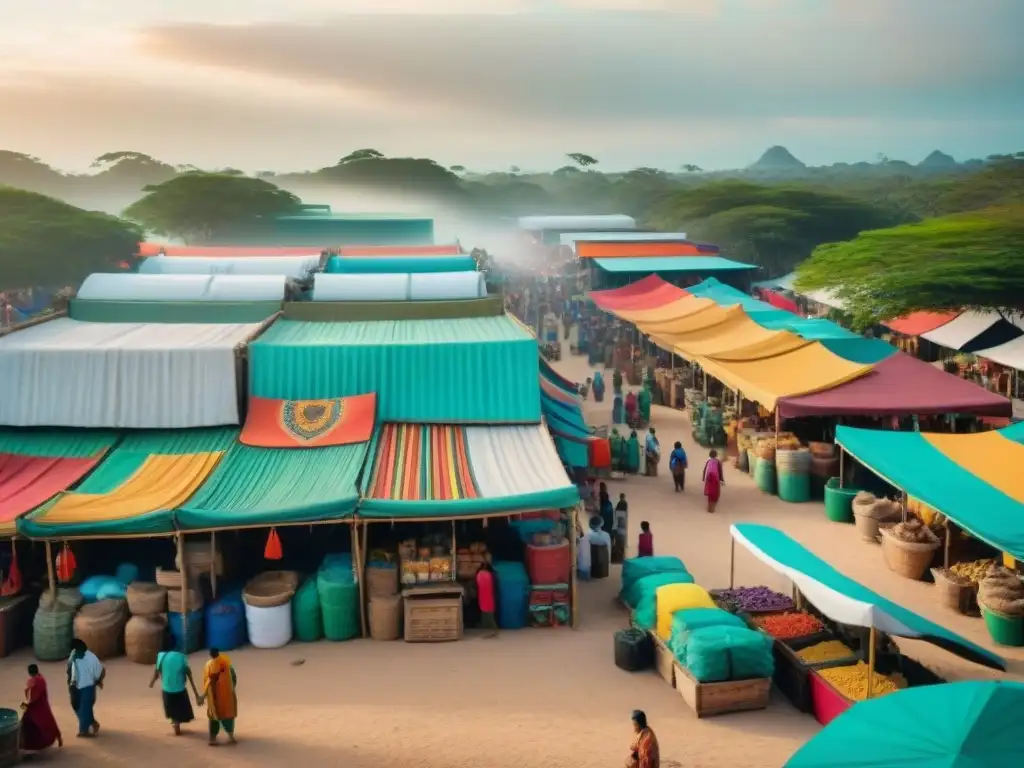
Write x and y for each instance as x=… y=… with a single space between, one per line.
x=513 y=594
x=194 y=641
x=1004 y=630
x=839 y=502
x=225 y=623
x=794 y=488
x=764 y=475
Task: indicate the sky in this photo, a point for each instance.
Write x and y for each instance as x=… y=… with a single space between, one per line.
x=272 y=85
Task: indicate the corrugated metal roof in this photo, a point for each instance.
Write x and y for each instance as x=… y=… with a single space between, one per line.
x=687 y=264
x=64 y=443
x=376 y=332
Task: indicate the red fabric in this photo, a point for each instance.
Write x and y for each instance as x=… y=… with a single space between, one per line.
x=28 y=481
x=38 y=727
x=917 y=323
x=600 y=453
x=713 y=480
x=780 y=301
x=485 y=590
x=454 y=249
x=649 y=293
x=226 y=251
x=900 y=385
x=645 y=545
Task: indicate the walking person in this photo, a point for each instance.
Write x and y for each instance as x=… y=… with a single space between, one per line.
x=39 y=728
x=714 y=479
x=678 y=465
x=173 y=672
x=605 y=509
x=485 y=599
x=652 y=453
x=644 y=751
x=621 y=534
x=85 y=677
x=219 y=681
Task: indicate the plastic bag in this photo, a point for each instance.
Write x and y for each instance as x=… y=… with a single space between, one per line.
x=691 y=619
x=717 y=654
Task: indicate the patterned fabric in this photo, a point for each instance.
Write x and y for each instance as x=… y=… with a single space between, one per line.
x=309 y=423
x=417 y=462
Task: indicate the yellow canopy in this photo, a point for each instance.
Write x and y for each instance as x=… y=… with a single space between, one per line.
x=734 y=332
x=678 y=308
x=687 y=324
x=804 y=370
x=988 y=456
x=779 y=344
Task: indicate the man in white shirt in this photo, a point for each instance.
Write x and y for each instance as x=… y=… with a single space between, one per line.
x=85 y=676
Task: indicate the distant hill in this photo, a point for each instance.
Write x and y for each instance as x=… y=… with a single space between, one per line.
x=938 y=161
x=776 y=159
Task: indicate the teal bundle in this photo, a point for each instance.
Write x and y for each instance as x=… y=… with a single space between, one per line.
x=648 y=585
x=307 y=621
x=720 y=653
x=693 y=619
x=636 y=568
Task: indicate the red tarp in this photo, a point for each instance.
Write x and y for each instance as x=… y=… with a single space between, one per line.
x=917 y=323
x=780 y=301
x=309 y=423
x=453 y=249
x=226 y=251
x=649 y=293
x=28 y=481
x=900 y=385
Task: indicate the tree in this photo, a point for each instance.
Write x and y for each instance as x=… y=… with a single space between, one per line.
x=46 y=242
x=972 y=259
x=460 y=169
x=582 y=160
x=199 y=207
x=361 y=154
x=394 y=174
x=691 y=168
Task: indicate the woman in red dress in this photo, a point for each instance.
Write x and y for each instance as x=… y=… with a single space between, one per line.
x=38 y=727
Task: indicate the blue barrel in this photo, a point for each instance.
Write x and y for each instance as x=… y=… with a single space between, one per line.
x=195 y=631
x=513 y=594
x=225 y=623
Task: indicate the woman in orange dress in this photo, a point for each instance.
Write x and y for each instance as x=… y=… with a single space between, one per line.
x=219 y=681
x=644 y=751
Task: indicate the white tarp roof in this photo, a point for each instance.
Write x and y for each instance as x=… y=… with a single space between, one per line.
x=963 y=329
x=571 y=238
x=511 y=461
x=577 y=223
x=1010 y=354
x=828 y=298
x=295 y=267
x=68 y=373
x=167 y=287
x=434 y=286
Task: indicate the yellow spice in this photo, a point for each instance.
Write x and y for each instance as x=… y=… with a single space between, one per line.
x=830 y=650
x=852 y=681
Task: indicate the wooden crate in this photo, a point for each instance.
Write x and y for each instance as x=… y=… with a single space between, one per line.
x=664 y=660
x=433 y=614
x=707 y=699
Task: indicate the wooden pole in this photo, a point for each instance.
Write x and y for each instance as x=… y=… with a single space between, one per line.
x=213 y=564
x=573 y=608
x=947 y=556
x=184 y=592
x=732 y=563
x=871 y=663
x=904 y=504
x=841 y=473
x=357 y=561
x=455 y=549
x=51 y=575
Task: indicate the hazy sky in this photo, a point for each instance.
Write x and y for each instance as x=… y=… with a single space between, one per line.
x=274 y=84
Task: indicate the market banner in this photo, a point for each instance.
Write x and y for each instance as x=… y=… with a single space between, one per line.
x=274 y=423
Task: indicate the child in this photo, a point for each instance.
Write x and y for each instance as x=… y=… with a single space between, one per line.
x=645 y=545
x=485 y=599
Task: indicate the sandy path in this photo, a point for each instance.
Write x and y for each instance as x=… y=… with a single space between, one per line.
x=531 y=698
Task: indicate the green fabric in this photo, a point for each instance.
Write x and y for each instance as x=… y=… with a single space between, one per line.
x=276 y=486
x=636 y=568
x=643 y=400
x=480 y=370
x=398 y=265
x=172 y=666
x=228 y=312
x=959 y=725
x=556 y=498
x=691 y=619
x=362 y=311
x=803 y=566
x=648 y=585
x=633 y=454
x=908 y=461
x=53 y=443
x=859 y=350
x=718 y=653
x=229 y=726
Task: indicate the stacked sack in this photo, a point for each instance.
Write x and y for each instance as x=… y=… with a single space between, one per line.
x=385 y=604
x=716 y=646
x=53 y=624
x=145 y=631
x=641 y=578
x=101 y=626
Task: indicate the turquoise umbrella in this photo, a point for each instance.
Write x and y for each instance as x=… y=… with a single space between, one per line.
x=953 y=725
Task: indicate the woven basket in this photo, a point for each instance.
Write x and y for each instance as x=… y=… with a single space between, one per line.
x=68 y=599
x=176 y=600
x=822 y=450
x=908 y=559
x=794 y=461
x=864 y=503
x=144 y=638
x=381 y=582
x=270 y=589
x=146 y=599
x=765 y=449
x=386 y=617
x=52 y=632
x=169 y=578
x=101 y=627
x=959 y=596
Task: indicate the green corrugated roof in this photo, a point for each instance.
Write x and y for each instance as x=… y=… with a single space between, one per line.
x=277 y=486
x=376 y=332
x=674 y=264
x=171 y=442
x=53 y=443
x=99 y=311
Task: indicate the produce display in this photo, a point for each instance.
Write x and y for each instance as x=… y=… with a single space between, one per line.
x=914 y=532
x=469 y=559
x=786 y=626
x=830 y=650
x=758 y=599
x=973 y=571
x=852 y=681
x=1002 y=591
x=429 y=559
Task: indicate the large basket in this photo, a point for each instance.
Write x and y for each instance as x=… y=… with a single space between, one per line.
x=908 y=559
x=101 y=627
x=146 y=599
x=169 y=578
x=270 y=589
x=381 y=581
x=176 y=600
x=867 y=527
x=144 y=638
x=959 y=596
x=385 y=617
x=52 y=632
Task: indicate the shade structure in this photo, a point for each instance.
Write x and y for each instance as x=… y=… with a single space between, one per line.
x=582 y=223
x=182 y=312
x=705 y=318
x=1010 y=354
x=183 y=287
x=811 y=368
x=637 y=250
x=735 y=331
x=975 y=480
x=917 y=323
x=897 y=386
x=446 y=249
x=971 y=331
x=400 y=264
x=682 y=307
x=969 y=725
x=691 y=264
x=291 y=266
x=846 y=601
x=647 y=293
x=225 y=251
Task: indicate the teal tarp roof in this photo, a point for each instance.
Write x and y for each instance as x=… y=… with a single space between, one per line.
x=908 y=461
x=382 y=265
x=846 y=601
x=673 y=264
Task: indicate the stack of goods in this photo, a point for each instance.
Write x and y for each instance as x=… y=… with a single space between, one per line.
x=973 y=571
x=824 y=466
x=636 y=568
x=909 y=547
x=678 y=597
x=339 y=597
x=686 y=621
x=96 y=588
x=1001 y=597
x=513 y=592
x=548 y=561
x=869 y=511
x=268 y=608
x=958 y=586
x=145 y=630
x=101 y=626
x=53 y=624
x=307 y=619
x=764 y=469
x=694 y=399
x=549 y=605
x=753 y=600
x=793 y=467
x=469 y=559
x=385 y=604
x=429 y=560
x=825 y=652
x=200 y=557
x=789 y=626
x=716 y=654
x=852 y=681
x=225 y=622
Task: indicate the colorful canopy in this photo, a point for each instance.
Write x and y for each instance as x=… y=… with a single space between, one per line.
x=647 y=293
x=682 y=307
x=1010 y=354
x=35 y=466
x=689 y=264
x=899 y=385
x=571 y=238
x=971 y=331
x=975 y=479
x=224 y=251
x=639 y=250
x=969 y=725
x=917 y=323
x=846 y=601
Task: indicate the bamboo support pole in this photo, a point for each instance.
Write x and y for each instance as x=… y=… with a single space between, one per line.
x=213 y=564
x=871 y=663
x=947 y=555
x=51 y=575
x=357 y=561
x=732 y=563
x=903 y=501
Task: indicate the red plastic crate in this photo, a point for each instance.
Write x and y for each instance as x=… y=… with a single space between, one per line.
x=826 y=702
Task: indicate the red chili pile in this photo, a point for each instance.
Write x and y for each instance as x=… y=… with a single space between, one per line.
x=786 y=626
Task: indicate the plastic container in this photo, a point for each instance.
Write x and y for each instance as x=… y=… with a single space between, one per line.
x=306 y=616
x=826 y=702
x=549 y=564
x=339 y=602
x=194 y=641
x=1004 y=630
x=794 y=488
x=764 y=475
x=225 y=623
x=513 y=592
x=10 y=737
x=839 y=502
x=269 y=627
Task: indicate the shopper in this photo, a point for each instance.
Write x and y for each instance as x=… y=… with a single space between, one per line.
x=714 y=479
x=485 y=599
x=39 y=728
x=644 y=752
x=678 y=465
x=645 y=543
x=219 y=681
x=652 y=453
x=86 y=675
x=173 y=672
x=605 y=508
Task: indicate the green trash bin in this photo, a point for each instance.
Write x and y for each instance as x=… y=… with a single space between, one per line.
x=794 y=487
x=1005 y=630
x=764 y=475
x=839 y=501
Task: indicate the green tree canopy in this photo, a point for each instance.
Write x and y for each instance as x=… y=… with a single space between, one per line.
x=46 y=242
x=197 y=207
x=582 y=160
x=361 y=154
x=409 y=174
x=972 y=259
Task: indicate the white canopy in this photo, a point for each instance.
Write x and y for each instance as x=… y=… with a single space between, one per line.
x=295 y=267
x=1010 y=354
x=511 y=461
x=571 y=238
x=436 y=286
x=577 y=223
x=963 y=329
x=166 y=287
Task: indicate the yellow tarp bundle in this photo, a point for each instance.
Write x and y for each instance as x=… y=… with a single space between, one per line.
x=690 y=323
x=988 y=456
x=779 y=344
x=804 y=370
x=162 y=482
x=683 y=307
x=734 y=332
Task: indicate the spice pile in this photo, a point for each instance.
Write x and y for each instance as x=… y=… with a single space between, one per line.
x=786 y=626
x=973 y=571
x=830 y=650
x=914 y=532
x=755 y=599
x=1002 y=591
x=852 y=681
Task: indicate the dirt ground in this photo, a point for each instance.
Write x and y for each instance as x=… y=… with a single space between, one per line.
x=550 y=698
